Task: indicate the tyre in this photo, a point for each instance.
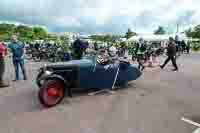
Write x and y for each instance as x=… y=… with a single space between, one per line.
x=37 y=58
x=134 y=58
x=51 y=93
x=52 y=59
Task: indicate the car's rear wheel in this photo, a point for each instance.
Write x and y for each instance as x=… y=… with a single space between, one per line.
x=51 y=93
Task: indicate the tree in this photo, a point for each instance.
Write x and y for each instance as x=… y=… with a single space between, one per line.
x=105 y=38
x=130 y=34
x=6 y=30
x=193 y=33
x=189 y=32
x=40 y=33
x=160 y=31
x=65 y=39
x=97 y=38
x=64 y=42
x=51 y=37
x=25 y=33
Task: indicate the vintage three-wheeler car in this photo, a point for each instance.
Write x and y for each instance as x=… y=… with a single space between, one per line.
x=58 y=79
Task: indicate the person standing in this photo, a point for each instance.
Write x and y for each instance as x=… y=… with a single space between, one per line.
x=188 y=47
x=18 y=52
x=3 y=53
x=178 y=45
x=140 y=53
x=141 y=46
x=183 y=45
x=78 y=49
x=96 y=46
x=171 y=53
x=77 y=52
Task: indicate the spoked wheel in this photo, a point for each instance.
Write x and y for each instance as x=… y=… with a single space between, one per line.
x=51 y=93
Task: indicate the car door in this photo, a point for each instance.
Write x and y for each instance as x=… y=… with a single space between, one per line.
x=103 y=76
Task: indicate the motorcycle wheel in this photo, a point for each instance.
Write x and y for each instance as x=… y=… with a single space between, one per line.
x=133 y=58
x=52 y=59
x=37 y=58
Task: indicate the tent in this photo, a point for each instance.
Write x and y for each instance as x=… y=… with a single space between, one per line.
x=152 y=37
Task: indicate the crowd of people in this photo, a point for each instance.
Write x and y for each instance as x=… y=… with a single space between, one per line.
x=173 y=47
x=146 y=57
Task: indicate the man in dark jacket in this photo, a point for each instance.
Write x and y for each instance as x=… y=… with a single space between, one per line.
x=171 y=53
x=77 y=52
x=78 y=49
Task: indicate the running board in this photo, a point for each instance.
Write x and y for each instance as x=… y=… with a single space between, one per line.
x=101 y=91
x=190 y=122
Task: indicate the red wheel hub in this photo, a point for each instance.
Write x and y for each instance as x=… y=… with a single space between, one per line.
x=53 y=92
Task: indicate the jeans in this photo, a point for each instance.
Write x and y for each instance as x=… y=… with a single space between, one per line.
x=19 y=63
x=2 y=68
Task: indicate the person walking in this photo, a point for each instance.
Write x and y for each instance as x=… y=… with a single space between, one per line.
x=18 y=52
x=171 y=53
x=3 y=53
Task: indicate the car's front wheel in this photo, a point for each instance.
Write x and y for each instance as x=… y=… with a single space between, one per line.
x=51 y=93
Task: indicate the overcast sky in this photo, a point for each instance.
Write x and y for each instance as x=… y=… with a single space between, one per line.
x=101 y=16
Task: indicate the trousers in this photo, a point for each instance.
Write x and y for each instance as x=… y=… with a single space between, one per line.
x=19 y=63
x=2 y=68
x=173 y=60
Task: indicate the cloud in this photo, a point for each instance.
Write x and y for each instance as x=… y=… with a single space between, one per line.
x=95 y=16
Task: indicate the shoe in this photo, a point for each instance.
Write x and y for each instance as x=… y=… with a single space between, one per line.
x=15 y=80
x=143 y=68
x=161 y=66
x=175 y=70
x=3 y=85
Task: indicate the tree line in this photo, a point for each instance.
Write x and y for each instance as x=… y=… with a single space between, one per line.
x=25 y=33
x=28 y=34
